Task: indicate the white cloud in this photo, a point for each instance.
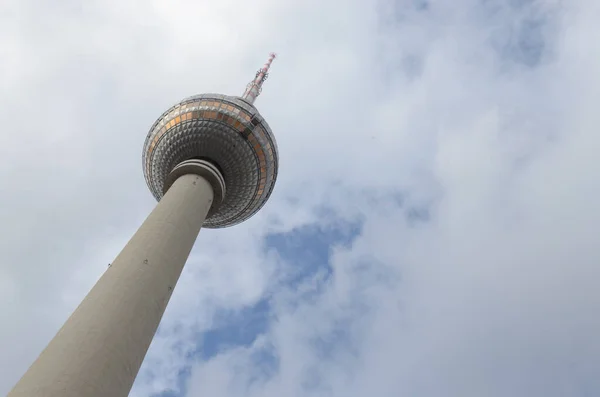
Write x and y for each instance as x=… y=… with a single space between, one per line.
x=494 y=295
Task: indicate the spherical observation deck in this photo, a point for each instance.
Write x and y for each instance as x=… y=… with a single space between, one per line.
x=226 y=131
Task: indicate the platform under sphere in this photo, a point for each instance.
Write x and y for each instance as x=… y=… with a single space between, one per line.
x=230 y=133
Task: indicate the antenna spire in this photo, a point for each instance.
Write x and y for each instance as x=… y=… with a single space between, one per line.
x=254 y=88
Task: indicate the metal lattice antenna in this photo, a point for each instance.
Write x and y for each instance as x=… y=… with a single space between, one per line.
x=254 y=88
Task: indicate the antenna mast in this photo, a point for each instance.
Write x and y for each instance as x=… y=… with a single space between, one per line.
x=254 y=88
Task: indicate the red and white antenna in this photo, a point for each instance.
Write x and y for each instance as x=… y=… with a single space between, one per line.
x=254 y=88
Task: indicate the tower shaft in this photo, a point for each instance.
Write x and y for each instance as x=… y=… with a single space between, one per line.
x=99 y=350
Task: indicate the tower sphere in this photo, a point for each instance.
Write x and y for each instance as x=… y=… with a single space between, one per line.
x=227 y=132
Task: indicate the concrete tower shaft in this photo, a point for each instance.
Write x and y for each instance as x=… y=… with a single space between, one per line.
x=99 y=350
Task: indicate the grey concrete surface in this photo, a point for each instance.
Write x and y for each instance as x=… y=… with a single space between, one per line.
x=99 y=350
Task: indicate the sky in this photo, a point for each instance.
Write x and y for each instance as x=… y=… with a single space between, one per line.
x=433 y=230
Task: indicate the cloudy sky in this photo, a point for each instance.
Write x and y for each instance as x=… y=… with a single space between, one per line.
x=433 y=231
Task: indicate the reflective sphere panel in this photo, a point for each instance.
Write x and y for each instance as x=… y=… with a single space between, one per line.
x=226 y=131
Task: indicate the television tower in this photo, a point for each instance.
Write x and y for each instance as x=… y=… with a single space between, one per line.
x=211 y=160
